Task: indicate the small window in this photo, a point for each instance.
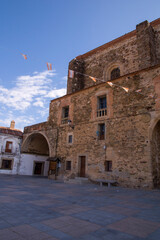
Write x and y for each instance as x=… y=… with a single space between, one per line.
x=68 y=165
x=101 y=131
x=70 y=138
x=8 y=147
x=65 y=114
x=102 y=106
x=115 y=73
x=6 y=164
x=108 y=166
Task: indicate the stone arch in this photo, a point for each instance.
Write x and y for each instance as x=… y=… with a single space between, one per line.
x=155 y=154
x=36 y=143
x=110 y=68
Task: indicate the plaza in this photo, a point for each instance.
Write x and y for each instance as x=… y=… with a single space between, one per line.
x=36 y=208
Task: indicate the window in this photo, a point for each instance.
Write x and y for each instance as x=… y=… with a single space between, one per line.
x=6 y=164
x=101 y=131
x=115 y=73
x=70 y=139
x=65 y=114
x=8 y=147
x=102 y=106
x=68 y=165
x=108 y=166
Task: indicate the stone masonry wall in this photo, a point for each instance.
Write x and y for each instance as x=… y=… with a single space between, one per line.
x=76 y=83
x=48 y=130
x=124 y=53
x=146 y=45
x=157 y=40
x=127 y=130
x=134 y=51
x=130 y=118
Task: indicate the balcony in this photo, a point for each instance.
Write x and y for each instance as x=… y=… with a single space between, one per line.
x=101 y=112
x=64 y=120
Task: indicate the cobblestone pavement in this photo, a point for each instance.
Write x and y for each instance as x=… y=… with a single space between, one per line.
x=34 y=208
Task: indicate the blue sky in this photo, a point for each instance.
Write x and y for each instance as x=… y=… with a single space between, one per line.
x=54 y=31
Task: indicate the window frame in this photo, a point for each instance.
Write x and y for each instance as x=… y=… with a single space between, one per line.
x=65 y=118
x=108 y=166
x=101 y=110
x=68 y=165
x=100 y=131
x=7 y=148
x=115 y=73
x=11 y=164
x=70 y=137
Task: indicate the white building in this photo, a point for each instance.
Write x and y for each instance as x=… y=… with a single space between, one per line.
x=10 y=142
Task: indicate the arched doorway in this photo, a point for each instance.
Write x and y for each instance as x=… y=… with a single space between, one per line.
x=155 y=150
x=35 y=151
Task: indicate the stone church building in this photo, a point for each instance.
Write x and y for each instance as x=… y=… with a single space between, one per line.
x=101 y=130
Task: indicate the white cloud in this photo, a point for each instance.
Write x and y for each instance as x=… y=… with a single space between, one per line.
x=56 y=93
x=65 y=78
x=33 y=90
x=20 y=121
x=27 y=87
x=44 y=112
x=38 y=103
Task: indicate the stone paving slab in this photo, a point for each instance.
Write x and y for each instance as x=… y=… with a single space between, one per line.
x=41 y=209
x=136 y=227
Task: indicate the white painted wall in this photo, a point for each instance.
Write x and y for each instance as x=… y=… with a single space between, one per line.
x=27 y=163
x=14 y=155
x=23 y=164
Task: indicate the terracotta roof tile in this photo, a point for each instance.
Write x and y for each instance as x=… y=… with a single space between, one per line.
x=15 y=132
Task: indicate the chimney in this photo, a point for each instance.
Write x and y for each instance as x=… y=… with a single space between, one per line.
x=12 y=125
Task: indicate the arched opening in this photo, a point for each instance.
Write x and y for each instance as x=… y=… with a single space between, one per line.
x=36 y=143
x=155 y=150
x=35 y=152
x=115 y=73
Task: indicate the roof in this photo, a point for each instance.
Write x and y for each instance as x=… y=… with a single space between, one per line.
x=115 y=41
x=14 y=132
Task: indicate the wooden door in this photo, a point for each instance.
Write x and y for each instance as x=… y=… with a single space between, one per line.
x=82 y=166
x=38 y=169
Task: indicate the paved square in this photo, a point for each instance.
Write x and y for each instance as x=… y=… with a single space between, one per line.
x=134 y=226
x=34 y=208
